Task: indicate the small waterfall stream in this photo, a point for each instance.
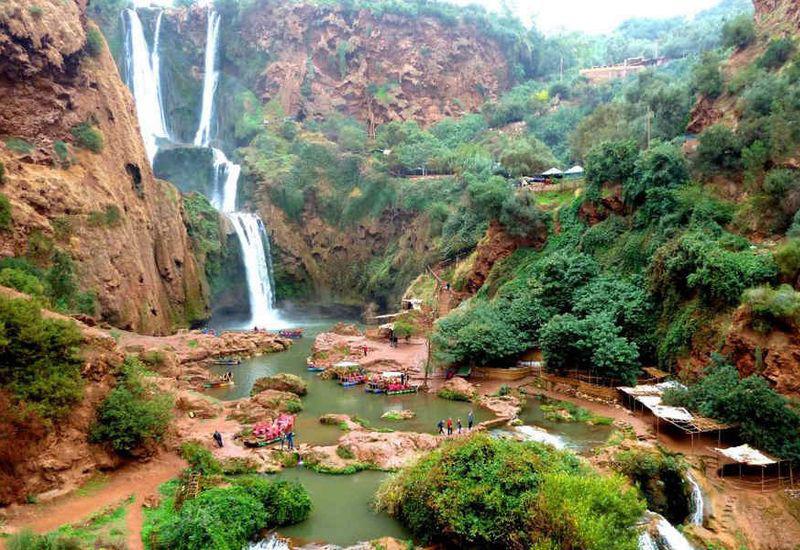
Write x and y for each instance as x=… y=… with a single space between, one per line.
x=697 y=501
x=271 y=543
x=210 y=80
x=143 y=78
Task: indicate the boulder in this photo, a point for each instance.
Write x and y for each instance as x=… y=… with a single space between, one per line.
x=387 y=451
x=196 y=405
x=458 y=389
x=281 y=382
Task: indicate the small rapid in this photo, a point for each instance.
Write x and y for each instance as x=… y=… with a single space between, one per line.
x=270 y=543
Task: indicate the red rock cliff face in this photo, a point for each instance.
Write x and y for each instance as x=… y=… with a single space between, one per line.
x=377 y=69
x=140 y=265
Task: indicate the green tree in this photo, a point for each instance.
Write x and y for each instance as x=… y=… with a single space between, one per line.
x=719 y=149
x=739 y=32
x=779 y=50
x=662 y=166
x=610 y=163
x=707 y=76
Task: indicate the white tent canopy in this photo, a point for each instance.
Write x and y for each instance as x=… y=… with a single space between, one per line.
x=346 y=364
x=574 y=170
x=745 y=454
x=553 y=172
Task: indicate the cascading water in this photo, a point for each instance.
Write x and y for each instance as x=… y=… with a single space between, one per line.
x=210 y=80
x=249 y=228
x=144 y=80
x=533 y=433
x=662 y=535
x=272 y=543
x=697 y=501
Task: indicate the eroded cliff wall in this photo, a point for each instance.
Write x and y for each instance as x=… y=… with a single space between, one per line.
x=123 y=228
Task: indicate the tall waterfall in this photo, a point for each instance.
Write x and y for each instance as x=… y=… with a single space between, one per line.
x=144 y=80
x=210 y=80
x=249 y=228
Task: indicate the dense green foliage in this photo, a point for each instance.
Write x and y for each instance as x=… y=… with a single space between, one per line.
x=225 y=517
x=5 y=210
x=766 y=419
x=739 y=32
x=135 y=412
x=94 y=41
x=483 y=492
x=39 y=361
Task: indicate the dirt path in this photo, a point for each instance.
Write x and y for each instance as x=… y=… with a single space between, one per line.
x=139 y=480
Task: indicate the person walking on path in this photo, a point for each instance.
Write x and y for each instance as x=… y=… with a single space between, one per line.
x=218 y=438
x=449 y=426
x=470 y=420
x=440 y=425
x=458 y=425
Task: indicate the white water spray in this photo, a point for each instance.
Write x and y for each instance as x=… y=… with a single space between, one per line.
x=144 y=81
x=532 y=433
x=697 y=501
x=210 y=80
x=664 y=536
x=272 y=543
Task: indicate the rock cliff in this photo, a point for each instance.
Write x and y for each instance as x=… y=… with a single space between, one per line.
x=123 y=228
x=376 y=67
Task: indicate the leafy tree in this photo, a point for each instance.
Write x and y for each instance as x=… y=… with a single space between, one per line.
x=661 y=166
x=611 y=163
x=707 y=76
x=483 y=492
x=781 y=181
x=787 y=258
x=739 y=32
x=61 y=279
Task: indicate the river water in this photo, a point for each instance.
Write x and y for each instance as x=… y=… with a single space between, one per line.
x=342 y=513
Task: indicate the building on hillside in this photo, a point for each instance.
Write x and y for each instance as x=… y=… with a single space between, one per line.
x=628 y=67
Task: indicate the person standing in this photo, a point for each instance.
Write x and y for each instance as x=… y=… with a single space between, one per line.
x=470 y=420
x=449 y=426
x=440 y=425
x=458 y=425
x=290 y=440
x=218 y=438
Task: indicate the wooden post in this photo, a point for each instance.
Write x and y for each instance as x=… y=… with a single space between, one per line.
x=762 y=479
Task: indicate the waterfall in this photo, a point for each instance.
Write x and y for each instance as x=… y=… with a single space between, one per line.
x=532 y=433
x=697 y=501
x=662 y=535
x=271 y=543
x=210 y=79
x=144 y=80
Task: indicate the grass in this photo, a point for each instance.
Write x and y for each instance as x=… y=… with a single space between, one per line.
x=94 y=484
x=452 y=395
x=555 y=198
x=19 y=145
x=563 y=411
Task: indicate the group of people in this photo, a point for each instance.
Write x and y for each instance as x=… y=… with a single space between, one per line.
x=442 y=424
x=286 y=439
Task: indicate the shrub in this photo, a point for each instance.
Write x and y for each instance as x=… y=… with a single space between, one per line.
x=771 y=308
x=62 y=153
x=109 y=217
x=19 y=145
x=2 y=172
x=611 y=163
x=779 y=182
x=200 y=459
x=483 y=492
x=662 y=166
x=22 y=281
x=453 y=395
x=739 y=32
x=778 y=52
x=94 y=41
x=88 y=137
x=5 y=213
x=39 y=360
x=134 y=413
x=787 y=258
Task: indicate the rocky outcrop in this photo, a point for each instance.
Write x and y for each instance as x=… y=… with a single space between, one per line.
x=376 y=67
x=774 y=355
x=388 y=451
x=281 y=382
x=263 y=407
x=123 y=228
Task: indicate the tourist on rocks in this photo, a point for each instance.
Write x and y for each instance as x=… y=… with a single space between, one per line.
x=470 y=420
x=449 y=426
x=290 y=440
x=366 y=351
x=440 y=425
x=218 y=438
x=458 y=425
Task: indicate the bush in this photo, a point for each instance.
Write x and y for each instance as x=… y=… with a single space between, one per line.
x=200 y=459
x=22 y=281
x=134 y=413
x=773 y=308
x=778 y=53
x=779 y=182
x=2 y=172
x=5 y=213
x=39 y=361
x=483 y=492
x=611 y=163
x=19 y=145
x=662 y=166
x=94 y=41
x=453 y=395
x=88 y=137
x=787 y=258
x=739 y=32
